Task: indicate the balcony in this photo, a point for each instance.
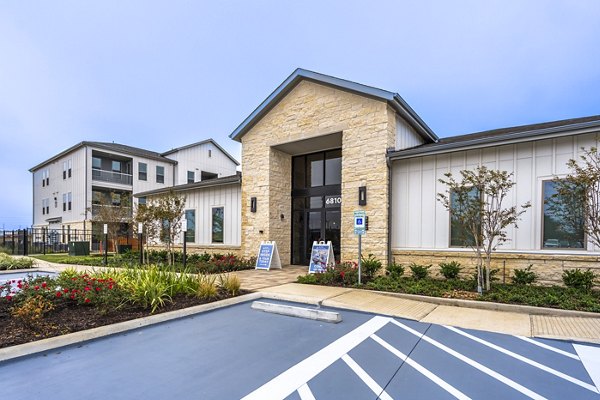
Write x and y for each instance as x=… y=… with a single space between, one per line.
x=114 y=211
x=112 y=177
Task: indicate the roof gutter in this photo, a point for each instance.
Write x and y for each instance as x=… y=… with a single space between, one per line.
x=516 y=137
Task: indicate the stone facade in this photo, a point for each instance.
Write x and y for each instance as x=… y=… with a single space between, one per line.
x=308 y=111
x=548 y=267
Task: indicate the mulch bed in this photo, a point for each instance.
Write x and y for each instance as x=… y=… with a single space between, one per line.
x=68 y=317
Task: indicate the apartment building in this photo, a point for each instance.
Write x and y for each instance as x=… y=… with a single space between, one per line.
x=69 y=188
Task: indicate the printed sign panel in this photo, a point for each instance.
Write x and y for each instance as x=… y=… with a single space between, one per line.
x=268 y=256
x=320 y=257
x=360 y=225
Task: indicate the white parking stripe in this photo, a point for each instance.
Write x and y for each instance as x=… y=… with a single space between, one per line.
x=507 y=381
x=366 y=378
x=305 y=393
x=525 y=359
x=289 y=381
x=590 y=358
x=547 y=347
x=436 y=379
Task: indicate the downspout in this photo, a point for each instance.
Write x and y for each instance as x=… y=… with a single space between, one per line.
x=389 y=241
x=85 y=215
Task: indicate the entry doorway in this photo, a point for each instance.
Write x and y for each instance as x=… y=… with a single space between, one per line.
x=316 y=203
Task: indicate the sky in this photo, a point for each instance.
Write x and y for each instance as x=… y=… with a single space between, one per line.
x=162 y=74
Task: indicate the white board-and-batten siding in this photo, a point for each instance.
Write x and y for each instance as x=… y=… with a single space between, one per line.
x=406 y=136
x=203 y=200
x=419 y=221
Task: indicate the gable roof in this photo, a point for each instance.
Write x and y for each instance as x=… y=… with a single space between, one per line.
x=495 y=137
x=166 y=153
x=393 y=99
x=225 y=180
x=116 y=147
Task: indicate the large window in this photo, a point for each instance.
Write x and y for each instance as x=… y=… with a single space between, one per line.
x=116 y=166
x=563 y=220
x=190 y=233
x=191 y=177
x=142 y=171
x=160 y=174
x=96 y=163
x=461 y=235
x=316 y=170
x=217 y=224
x=204 y=175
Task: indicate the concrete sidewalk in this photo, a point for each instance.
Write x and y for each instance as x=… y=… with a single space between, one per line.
x=586 y=329
x=523 y=321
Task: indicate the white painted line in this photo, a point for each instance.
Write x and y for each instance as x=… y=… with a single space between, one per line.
x=525 y=360
x=547 y=347
x=436 y=379
x=507 y=381
x=590 y=358
x=366 y=378
x=289 y=381
x=305 y=393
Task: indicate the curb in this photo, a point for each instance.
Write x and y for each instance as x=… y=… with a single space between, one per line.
x=27 y=349
x=487 y=305
x=298 y=312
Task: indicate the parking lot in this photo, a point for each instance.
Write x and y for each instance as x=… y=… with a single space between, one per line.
x=237 y=352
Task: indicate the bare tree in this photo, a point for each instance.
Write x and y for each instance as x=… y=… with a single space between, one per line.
x=576 y=203
x=476 y=203
x=113 y=210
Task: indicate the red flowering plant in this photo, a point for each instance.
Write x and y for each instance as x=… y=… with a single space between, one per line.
x=84 y=289
x=341 y=274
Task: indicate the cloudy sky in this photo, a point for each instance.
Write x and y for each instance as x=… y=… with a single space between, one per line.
x=161 y=74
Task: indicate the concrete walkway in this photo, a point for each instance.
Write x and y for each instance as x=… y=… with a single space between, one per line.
x=524 y=321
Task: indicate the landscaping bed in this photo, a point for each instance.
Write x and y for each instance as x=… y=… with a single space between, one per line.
x=7 y=262
x=40 y=307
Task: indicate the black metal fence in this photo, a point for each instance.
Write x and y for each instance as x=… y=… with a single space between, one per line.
x=46 y=240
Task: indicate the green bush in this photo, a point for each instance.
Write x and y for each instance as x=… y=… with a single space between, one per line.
x=524 y=276
x=578 y=279
x=450 y=270
x=395 y=270
x=493 y=273
x=370 y=266
x=419 y=271
x=8 y=262
x=342 y=274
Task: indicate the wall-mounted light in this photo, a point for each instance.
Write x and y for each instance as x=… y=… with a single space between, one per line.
x=362 y=196
x=253 y=204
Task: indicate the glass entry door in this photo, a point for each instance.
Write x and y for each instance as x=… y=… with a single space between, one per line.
x=316 y=203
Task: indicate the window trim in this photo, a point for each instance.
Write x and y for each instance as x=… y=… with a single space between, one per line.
x=212 y=208
x=541 y=242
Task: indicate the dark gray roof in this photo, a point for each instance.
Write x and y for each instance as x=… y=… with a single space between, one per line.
x=200 y=143
x=393 y=99
x=226 y=180
x=497 y=136
x=116 y=147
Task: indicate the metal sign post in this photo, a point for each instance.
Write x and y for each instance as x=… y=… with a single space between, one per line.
x=140 y=242
x=360 y=227
x=105 y=244
x=184 y=229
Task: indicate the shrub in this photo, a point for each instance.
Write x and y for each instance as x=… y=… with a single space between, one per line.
x=524 y=276
x=395 y=270
x=578 y=279
x=493 y=273
x=370 y=266
x=230 y=283
x=9 y=262
x=450 y=270
x=207 y=287
x=419 y=271
x=32 y=310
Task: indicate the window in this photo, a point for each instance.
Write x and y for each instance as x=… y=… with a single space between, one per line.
x=115 y=199
x=142 y=171
x=69 y=201
x=67 y=167
x=64 y=170
x=209 y=153
x=96 y=163
x=70 y=167
x=217 y=224
x=207 y=175
x=142 y=201
x=97 y=197
x=560 y=229
x=45 y=206
x=64 y=202
x=190 y=233
x=460 y=235
x=116 y=166
x=45 y=177
x=160 y=174
x=191 y=177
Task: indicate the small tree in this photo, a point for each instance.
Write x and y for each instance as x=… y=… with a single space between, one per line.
x=476 y=203
x=144 y=214
x=576 y=203
x=112 y=210
x=162 y=218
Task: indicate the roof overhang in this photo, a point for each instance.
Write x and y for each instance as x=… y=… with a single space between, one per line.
x=226 y=180
x=393 y=99
x=498 y=140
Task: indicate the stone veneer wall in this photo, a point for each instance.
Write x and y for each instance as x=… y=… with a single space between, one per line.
x=548 y=267
x=310 y=110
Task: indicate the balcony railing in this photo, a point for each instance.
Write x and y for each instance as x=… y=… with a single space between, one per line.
x=96 y=209
x=110 y=176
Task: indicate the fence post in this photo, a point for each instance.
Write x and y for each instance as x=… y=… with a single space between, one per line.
x=13 y=242
x=25 y=242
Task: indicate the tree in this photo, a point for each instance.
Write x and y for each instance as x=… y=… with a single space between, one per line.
x=576 y=202
x=114 y=210
x=162 y=218
x=476 y=203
